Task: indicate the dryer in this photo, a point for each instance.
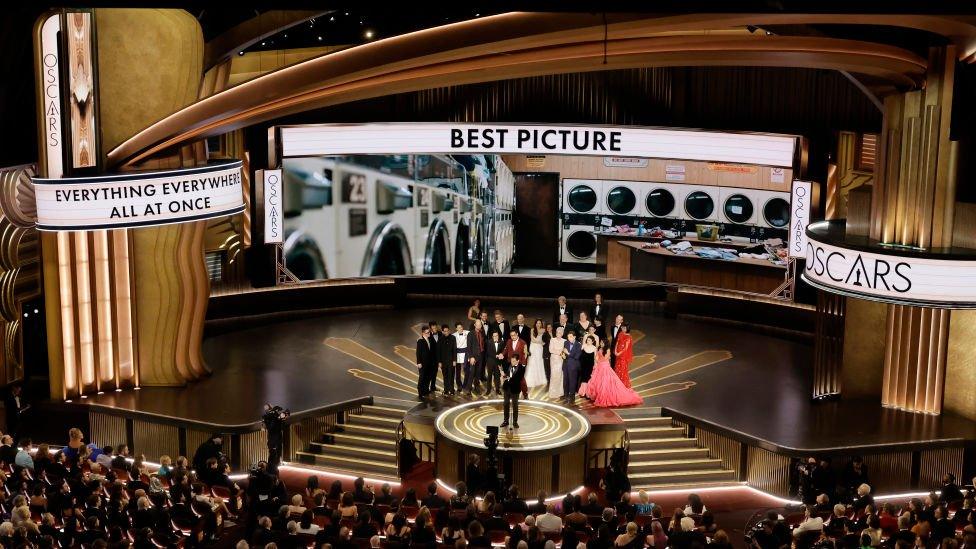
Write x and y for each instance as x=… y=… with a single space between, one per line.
x=578 y=244
x=662 y=204
x=582 y=196
x=738 y=211
x=700 y=204
x=774 y=213
x=622 y=201
x=364 y=228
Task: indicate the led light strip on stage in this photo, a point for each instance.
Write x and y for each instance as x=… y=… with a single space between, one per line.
x=627 y=141
x=139 y=199
x=454 y=432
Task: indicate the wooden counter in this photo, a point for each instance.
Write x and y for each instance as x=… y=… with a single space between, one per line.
x=623 y=257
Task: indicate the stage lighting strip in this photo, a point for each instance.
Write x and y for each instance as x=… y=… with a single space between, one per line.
x=466 y=426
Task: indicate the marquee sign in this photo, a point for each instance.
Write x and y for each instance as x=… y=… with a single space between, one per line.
x=902 y=279
x=615 y=141
x=139 y=199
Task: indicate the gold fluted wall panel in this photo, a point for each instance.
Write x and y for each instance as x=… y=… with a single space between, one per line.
x=888 y=472
x=935 y=463
x=915 y=358
x=107 y=429
x=768 y=471
x=155 y=439
x=150 y=64
x=864 y=349
x=960 y=375
x=721 y=447
x=828 y=350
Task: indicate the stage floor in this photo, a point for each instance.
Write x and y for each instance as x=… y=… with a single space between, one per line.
x=748 y=383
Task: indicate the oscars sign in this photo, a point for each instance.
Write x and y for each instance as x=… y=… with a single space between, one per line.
x=139 y=199
x=935 y=280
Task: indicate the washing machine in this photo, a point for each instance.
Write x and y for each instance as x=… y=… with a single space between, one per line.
x=662 y=203
x=437 y=237
x=701 y=204
x=774 y=213
x=738 y=212
x=582 y=196
x=363 y=226
x=622 y=202
x=309 y=217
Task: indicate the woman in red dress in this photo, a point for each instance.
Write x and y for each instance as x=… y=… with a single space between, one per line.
x=624 y=351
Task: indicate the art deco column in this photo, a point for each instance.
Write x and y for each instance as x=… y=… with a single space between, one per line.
x=912 y=207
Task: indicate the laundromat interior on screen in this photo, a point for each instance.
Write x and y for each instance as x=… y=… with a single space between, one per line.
x=379 y=215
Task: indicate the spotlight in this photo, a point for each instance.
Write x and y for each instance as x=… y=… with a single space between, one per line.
x=35 y=311
x=368 y=34
x=25 y=315
x=240 y=53
x=119 y=390
x=332 y=18
x=320 y=38
x=285 y=36
x=264 y=43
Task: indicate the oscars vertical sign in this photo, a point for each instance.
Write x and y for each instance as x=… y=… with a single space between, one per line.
x=799 y=217
x=273 y=214
x=49 y=71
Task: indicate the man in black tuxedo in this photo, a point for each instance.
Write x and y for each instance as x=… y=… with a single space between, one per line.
x=563 y=321
x=522 y=328
x=562 y=308
x=618 y=321
x=598 y=308
x=15 y=406
x=514 y=372
x=435 y=332
x=500 y=325
x=426 y=362
x=474 y=368
x=447 y=358
x=494 y=358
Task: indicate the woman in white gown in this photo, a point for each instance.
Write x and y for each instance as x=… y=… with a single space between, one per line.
x=535 y=370
x=556 y=346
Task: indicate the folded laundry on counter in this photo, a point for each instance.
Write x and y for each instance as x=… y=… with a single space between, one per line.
x=682 y=246
x=716 y=253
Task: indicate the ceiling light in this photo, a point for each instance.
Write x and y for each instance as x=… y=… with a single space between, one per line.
x=240 y=53
x=320 y=38
x=368 y=34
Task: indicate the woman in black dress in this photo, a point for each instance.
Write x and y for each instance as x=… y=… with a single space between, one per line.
x=586 y=361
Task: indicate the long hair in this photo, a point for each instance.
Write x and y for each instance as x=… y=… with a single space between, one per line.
x=535 y=332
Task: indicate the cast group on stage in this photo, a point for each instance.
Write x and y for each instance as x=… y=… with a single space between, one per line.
x=582 y=358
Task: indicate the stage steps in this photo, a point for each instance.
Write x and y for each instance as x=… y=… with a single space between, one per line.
x=363 y=446
x=663 y=457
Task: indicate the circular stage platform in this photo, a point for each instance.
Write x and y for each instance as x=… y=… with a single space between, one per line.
x=543 y=426
x=547 y=452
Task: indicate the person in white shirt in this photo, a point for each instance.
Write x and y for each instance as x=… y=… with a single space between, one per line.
x=461 y=336
x=549 y=522
x=104 y=459
x=811 y=522
x=23 y=457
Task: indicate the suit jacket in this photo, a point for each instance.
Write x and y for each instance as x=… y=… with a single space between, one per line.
x=555 y=314
x=573 y=353
x=447 y=350
x=492 y=349
x=602 y=313
x=613 y=336
x=515 y=376
x=426 y=352
x=520 y=351
x=502 y=330
x=524 y=332
x=476 y=346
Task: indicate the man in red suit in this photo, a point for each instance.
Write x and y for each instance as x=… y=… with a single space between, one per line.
x=516 y=346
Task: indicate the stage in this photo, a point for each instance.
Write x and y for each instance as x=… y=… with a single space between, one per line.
x=749 y=384
x=742 y=396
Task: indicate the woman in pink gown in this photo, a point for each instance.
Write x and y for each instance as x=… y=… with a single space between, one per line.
x=605 y=388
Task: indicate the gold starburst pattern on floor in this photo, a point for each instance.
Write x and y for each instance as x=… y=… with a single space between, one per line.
x=399 y=372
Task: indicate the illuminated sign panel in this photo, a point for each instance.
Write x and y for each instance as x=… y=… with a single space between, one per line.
x=139 y=199
x=799 y=217
x=616 y=141
x=904 y=279
x=274 y=219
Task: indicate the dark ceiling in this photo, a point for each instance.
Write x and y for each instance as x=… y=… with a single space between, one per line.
x=348 y=23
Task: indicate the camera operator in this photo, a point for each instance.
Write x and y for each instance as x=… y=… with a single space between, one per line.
x=274 y=423
x=212 y=448
x=807 y=473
